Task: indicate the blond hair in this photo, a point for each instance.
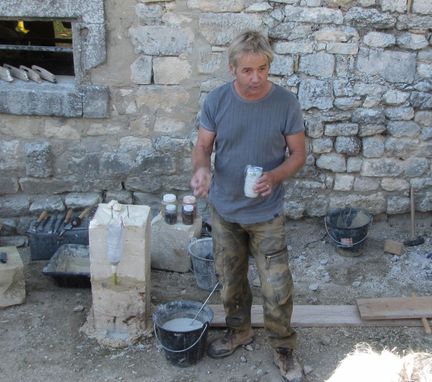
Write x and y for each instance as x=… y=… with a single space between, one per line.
x=249 y=42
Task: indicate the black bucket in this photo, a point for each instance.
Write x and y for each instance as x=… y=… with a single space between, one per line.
x=182 y=347
x=348 y=227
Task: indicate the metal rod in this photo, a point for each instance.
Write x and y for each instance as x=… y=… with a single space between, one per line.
x=205 y=302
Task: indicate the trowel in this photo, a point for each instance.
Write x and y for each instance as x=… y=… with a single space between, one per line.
x=66 y=220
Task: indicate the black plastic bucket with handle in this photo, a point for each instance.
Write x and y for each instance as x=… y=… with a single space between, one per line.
x=348 y=227
x=183 y=346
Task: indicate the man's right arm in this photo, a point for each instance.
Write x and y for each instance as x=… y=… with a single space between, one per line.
x=201 y=161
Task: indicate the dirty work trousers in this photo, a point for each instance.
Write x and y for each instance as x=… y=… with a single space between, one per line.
x=233 y=243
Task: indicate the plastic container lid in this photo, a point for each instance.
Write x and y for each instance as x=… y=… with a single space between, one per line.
x=171 y=208
x=169 y=198
x=188 y=208
x=189 y=199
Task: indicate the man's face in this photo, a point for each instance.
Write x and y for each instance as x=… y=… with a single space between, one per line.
x=251 y=75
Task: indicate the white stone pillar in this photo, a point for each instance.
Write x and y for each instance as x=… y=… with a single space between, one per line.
x=120 y=312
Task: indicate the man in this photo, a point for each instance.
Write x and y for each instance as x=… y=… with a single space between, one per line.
x=251 y=121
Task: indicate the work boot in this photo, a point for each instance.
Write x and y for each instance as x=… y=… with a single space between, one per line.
x=232 y=339
x=288 y=365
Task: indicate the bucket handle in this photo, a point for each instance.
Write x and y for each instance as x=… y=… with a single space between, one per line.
x=205 y=326
x=343 y=244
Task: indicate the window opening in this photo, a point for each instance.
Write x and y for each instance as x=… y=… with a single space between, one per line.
x=46 y=44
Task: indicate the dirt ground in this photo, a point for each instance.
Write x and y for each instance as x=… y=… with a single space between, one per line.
x=40 y=340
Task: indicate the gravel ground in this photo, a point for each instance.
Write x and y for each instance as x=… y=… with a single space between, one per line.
x=41 y=341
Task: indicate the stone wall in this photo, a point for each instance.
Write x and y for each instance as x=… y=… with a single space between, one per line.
x=362 y=70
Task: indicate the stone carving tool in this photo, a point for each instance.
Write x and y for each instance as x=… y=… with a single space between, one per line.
x=76 y=221
x=5 y=74
x=16 y=72
x=44 y=74
x=42 y=217
x=66 y=221
x=32 y=74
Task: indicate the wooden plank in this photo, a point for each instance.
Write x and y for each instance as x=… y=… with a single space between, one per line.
x=395 y=308
x=306 y=316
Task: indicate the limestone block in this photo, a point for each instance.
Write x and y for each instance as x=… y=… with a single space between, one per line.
x=319 y=64
x=170 y=242
x=316 y=93
x=12 y=283
x=120 y=312
x=319 y=15
x=135 y=260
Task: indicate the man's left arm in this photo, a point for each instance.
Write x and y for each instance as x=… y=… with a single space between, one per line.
x=291 y=165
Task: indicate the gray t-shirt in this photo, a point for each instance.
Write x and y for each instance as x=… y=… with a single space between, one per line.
x=248 y=133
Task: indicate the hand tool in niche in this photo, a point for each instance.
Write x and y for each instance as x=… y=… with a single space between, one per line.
x=66 y=221
x=5 y=75
x=44 y=74
x=16 y=72
x=76 y=221
x=42 y=217
x=34 y=76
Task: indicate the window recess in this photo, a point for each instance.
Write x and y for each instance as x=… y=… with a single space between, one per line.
x=46 y=44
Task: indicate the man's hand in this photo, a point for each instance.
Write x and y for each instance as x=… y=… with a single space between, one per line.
x=265 y=184
x=200 y=182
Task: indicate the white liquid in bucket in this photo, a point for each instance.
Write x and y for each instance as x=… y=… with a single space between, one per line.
x=182 y=325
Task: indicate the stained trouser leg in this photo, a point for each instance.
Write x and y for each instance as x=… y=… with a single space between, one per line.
x=231 y=254
x=269 y=248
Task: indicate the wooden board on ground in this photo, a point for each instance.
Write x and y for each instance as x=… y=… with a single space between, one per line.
x=307 y=316
x=392 y=308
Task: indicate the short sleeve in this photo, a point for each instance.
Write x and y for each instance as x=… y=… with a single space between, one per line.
x=294 y=121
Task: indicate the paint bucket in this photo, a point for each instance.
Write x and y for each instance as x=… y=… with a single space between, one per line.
x=183 y=346
x=201 y=253
x=348 y=227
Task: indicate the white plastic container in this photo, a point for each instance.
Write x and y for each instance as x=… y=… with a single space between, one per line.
x=252 y=174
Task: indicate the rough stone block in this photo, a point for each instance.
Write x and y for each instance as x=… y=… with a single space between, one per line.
x=170 y=70
x=60 y=99
x=121 y=311
x=316 y=93
x=95 y=101
x=9 y=155
x=14 y=205
x=170 y=242
x=12 y=282
x=119 y=314
x=221 y=28
x=391 y=65
x=319 y=15
x=8 y=185
x=141 y=70
x=160 y=40
x=38 y=159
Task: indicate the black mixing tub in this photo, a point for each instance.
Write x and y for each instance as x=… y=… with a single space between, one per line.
x=47 y=236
